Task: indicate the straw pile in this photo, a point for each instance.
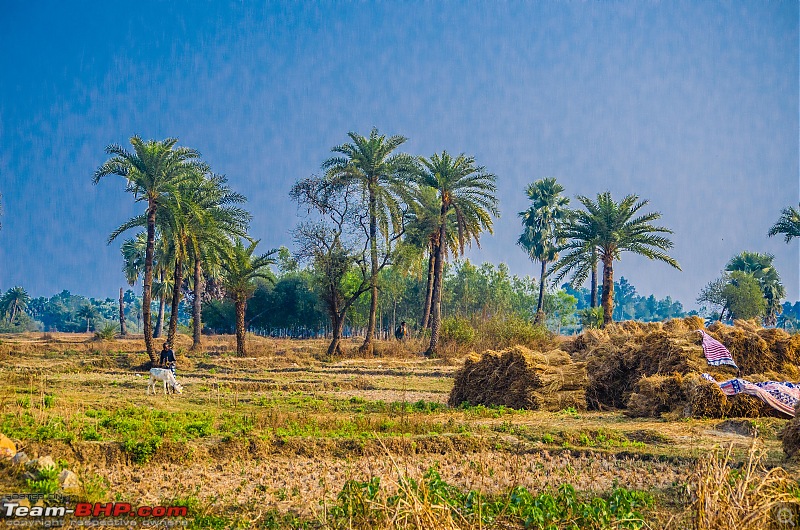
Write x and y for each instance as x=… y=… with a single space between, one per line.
x=791 y=436
x=522 y=379
x=654 y=368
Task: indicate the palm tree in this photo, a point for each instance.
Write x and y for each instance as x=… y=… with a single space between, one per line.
x=133 y=256
x=610 y=228
x=380 y=175
x=468 y=192
x=239 y=272
x=788 y=224
x=88 y=312
x=761 y=268
x=422 y=232
x=15 y=300
x=152 y=171
x=542 y=222
x=581 y=258
x=215 y=222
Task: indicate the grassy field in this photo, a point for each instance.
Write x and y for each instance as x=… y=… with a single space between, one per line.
x=287 y=438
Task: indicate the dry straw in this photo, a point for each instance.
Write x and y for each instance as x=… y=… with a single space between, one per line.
x=751 y=498
x=654 y=368
x=791 y=436
x=521 y=378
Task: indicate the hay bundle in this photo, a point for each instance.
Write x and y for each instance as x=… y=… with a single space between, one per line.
x=785 y=346
x=704 y=398
x=631 y=327
x=791 y=436
x=655 y=395
x=744 y=406
x=610 y=379
x=633 y=351
x=683 y=325
x=521 y=378
x=751 y=353
x=750 y=326
x=588 y=340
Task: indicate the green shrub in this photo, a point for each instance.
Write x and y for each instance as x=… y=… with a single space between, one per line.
x=142 y=451
x=503 y=331
x=591 y=317
x=457 y=331
x=107 y=332
x=46 y=481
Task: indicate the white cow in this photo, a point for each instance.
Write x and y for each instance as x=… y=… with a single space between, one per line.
x=165 y=375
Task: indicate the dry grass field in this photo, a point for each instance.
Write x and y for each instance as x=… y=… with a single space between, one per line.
x=287 y=438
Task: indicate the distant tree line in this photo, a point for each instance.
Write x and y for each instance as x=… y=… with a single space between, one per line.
x=380 y=244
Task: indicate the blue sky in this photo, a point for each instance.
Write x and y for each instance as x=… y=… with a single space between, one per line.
x=692 y=105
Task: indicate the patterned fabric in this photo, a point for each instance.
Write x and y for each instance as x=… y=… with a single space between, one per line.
x=716 y=354
x=780 y=396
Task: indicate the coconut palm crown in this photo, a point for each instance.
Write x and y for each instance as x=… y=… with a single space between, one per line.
x=611 y=228
x=788 y=224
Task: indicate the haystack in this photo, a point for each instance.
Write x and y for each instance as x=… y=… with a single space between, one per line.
x=653 y=369
x=655 y=395
x=791 y=436
x=521 y=378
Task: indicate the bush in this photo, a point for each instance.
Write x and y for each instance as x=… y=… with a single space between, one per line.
x=591 y=317
x=510 y=330
x=457 y=331
x=107 y=332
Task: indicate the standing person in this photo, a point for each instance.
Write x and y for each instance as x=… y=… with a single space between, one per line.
x=401 y=331
x=168 y=357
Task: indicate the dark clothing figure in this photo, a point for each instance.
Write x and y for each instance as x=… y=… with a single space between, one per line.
x=401 y=331
x=167 y=357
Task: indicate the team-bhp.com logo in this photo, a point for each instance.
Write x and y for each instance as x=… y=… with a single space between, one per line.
x=18 y=512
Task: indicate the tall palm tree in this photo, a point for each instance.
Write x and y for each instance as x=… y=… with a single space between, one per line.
x=761 y=268
x=152 y=171
x=240 y=269
x=13 y=302
x=214 y=222
x=788 y=224
x=422 y=232
x=610 y=228
x=380 y=173
x=542 y=227
x=88 y=312
x=468 y=192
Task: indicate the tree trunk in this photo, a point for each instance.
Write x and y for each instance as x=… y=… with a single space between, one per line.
x=176 y=300
x=337 y=325
x=241 y=307
x=594 y=280
x=196 y=310
x=13 y=313
x=426 y=313
x=608 y=289
x=539 y=311
x=161 y=304
x=436 y=301
x=122 y=330
x=87 y=324
x=148 y=281
x=367 y=347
